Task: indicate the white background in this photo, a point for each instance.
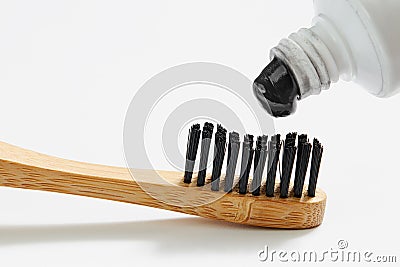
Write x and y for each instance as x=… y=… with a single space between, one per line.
x=68 y=70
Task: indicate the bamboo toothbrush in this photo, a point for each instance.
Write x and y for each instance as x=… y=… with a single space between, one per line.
x=267 y=206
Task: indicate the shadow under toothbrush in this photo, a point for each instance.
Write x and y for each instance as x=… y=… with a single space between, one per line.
x=185 y=234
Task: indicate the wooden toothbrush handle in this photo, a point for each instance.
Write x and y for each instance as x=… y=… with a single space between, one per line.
x=21 y=168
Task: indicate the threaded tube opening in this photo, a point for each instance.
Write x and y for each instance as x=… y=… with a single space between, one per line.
x=306 y=56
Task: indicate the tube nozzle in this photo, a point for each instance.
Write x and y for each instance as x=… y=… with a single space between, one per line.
x=277 y=89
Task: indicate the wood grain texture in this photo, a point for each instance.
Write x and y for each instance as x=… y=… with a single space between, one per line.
x=26 y=169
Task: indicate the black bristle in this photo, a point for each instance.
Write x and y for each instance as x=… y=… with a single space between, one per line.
x=274 y=149
x=289 y=154
x=219 y=154
x=247 y=158
x=315 y=164
x=260 y=158
x=300 y=140
x=265 y=154
x=208 y=129
x=191 y=152
x=301 y=168
x=233 y=153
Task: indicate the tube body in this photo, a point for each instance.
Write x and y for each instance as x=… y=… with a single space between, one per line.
x=364 y=39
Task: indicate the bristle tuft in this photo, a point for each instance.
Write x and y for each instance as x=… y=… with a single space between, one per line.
x=208 y=129
x=247 y=158
x=219 y=154
x=274 y=148
x=315 y=165
x=233 y=154
x=260 y=158
x=289 y=154
x=303 y=157
x=191 y=152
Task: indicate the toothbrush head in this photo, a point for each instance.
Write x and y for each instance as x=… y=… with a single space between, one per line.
x=283 y=204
